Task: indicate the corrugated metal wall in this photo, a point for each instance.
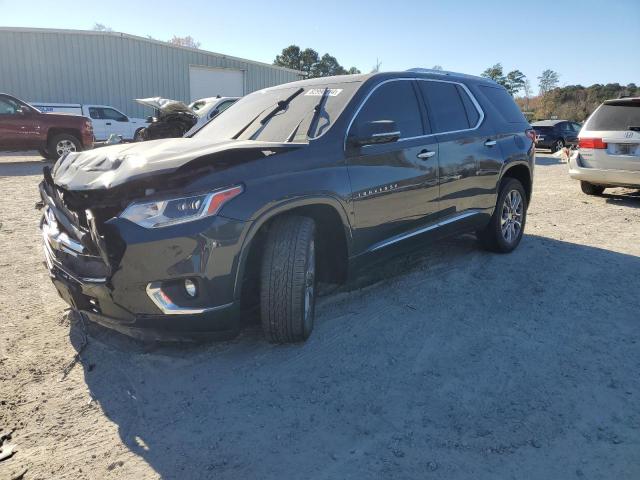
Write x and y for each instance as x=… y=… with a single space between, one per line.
x=109 y=68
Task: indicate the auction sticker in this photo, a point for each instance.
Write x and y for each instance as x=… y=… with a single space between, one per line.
x=317 y=92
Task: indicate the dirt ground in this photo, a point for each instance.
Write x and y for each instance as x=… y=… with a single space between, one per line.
x=459 y=364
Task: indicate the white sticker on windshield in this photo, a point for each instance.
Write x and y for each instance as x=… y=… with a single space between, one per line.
x=317 y=92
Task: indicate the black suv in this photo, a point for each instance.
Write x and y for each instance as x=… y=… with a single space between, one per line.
x=301 y=182
x=556 y=134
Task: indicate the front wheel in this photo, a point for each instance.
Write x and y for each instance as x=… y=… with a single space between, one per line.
x=506 y=227
x=288 y=280
x=591 y=189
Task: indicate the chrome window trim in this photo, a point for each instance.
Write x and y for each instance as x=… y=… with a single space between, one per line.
x=464 y=87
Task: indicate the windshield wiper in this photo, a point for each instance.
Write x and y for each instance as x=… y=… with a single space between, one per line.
x=313 y=124
x=317 y=110
x=282 y=104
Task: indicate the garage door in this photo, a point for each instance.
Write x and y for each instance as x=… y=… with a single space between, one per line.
x=209 y=82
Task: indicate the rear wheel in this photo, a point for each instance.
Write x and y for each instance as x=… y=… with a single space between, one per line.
x=505 y=229
x=288 y=280
x=591 y=189
x=557 y=145
x=63 y=143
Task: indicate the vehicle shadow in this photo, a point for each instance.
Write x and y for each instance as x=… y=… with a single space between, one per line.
x=443 y=357
x=630 y=199
x=23 y=169
x=548 y=160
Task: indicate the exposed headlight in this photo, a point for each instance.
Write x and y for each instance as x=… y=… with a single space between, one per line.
x=171 y=211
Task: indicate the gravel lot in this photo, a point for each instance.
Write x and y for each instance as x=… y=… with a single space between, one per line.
x=450 y=364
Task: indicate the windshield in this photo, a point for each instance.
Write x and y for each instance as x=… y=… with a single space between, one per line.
x=282 y=114
x=199 y=107
x=615 y=117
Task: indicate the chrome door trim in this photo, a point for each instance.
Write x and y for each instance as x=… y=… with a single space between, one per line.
x=464 y=87
x=413 y=233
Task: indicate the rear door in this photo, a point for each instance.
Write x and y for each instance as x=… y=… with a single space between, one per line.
x=395 y=185
x=468 y=155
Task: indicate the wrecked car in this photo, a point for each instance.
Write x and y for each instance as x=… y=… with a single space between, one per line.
x=172 y=119
x=292 y=185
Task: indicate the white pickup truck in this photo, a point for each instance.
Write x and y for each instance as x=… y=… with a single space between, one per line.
x=106 y=120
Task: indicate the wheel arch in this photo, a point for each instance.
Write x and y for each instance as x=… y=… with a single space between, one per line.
x=333 y=234
x=53 y=131
x=521 y=171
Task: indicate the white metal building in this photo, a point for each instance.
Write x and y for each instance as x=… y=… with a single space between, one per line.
x=109 y=68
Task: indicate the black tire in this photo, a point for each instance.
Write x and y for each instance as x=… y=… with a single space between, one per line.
x=64 y=142
x=139 y=135
x=287 y=278
x=45 y=153
x=591 y=189
x=557 y=145
x=493 y=236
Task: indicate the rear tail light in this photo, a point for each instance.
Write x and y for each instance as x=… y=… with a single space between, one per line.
x=531 y=133
x=592 y=143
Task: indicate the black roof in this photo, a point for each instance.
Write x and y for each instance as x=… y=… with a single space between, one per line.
x=625 y=101
x=547 y=123
x=413 y=73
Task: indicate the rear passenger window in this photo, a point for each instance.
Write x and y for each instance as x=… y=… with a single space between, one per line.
x=472 y=112
x=504 y=103
x=394 y=101
x=446 y=110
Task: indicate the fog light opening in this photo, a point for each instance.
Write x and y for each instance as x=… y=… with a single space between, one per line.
x=191 y=288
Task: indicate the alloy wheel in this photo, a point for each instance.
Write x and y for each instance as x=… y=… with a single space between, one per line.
x=65 y=146
x=511 y=218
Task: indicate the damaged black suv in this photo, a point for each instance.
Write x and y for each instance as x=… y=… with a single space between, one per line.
x=301 y=182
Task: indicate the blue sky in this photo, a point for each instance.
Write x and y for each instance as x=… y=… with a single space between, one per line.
x=586 y=41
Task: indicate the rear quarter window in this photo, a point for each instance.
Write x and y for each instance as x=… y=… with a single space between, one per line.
x=504 y=103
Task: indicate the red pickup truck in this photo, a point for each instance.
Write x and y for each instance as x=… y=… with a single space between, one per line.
x=23 y=127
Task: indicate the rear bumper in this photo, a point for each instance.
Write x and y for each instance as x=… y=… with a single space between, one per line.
x=614 y=178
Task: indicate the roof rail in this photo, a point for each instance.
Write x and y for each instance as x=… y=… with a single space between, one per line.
x=445 y=73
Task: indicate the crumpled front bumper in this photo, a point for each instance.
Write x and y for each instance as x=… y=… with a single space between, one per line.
x=141 y=294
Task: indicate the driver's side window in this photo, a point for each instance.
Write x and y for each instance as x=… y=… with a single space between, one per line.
x=396 y=101
x=8 y=107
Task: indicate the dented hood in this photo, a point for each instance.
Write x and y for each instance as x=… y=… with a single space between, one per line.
x=107 y=167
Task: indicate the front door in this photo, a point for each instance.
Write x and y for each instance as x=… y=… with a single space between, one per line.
x=394 y=185
x=19 y=125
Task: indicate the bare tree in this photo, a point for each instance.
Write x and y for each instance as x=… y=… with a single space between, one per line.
x=101 y=27
x=527 y=92
x=187 y=41
x=436 y=67
x=376 y=67
x=548 y=80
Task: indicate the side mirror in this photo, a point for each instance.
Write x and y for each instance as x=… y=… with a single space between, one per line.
x=371 y=133
x=150 y=119
x=23 y=111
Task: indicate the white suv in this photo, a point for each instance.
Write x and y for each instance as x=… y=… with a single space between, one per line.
x=609 y=147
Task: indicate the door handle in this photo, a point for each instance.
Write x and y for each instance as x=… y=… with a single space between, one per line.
x=108 y=123
x=424 y=154
x=490 y=143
